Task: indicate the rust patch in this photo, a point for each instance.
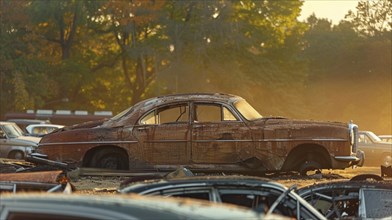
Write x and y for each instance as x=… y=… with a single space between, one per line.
x=39 y=177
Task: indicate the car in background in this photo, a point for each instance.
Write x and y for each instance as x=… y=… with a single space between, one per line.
x=23 y=123
x=39 y=130
x=377 y=152
x=87 y=207
x=13 y=143
x=351 y=199
x=386 y=138
x=206 y=133
x=259 y=194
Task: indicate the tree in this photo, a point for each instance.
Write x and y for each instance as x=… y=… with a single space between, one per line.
x=373 y=17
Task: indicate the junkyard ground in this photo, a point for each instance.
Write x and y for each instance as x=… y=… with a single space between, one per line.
x=104 y=184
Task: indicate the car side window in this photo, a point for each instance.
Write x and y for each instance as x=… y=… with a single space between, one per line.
x=258 y=200
x=194 y=193
x=364 y=139
x=167 y=114
x=212 y=113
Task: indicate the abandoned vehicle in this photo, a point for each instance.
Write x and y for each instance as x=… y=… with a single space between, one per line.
x=205 y=133
x=260 y=194
x=13 y=143
x=351 y=199
x=377 y=152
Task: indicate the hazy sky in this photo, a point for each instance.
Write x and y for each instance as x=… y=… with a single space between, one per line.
x=334 y=10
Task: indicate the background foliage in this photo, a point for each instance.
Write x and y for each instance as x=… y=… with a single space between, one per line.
x=110 y=54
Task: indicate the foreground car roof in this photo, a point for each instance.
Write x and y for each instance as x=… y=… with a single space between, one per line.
x=201 y=180
x=117 y=207
x=354 y=199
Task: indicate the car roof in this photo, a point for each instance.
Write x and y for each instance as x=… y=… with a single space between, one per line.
x=345 y=184
x=7 y=123
x=28 y=121
x=232 y=180
x=44 y=125
x=190 y=96
x=138 y=206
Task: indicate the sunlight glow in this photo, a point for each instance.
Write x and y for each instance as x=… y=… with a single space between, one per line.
x=332 y=10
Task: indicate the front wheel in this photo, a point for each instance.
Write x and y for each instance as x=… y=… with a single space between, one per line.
x=387 y=160
x=309 y=167
x=19 y=155
x=113 y=159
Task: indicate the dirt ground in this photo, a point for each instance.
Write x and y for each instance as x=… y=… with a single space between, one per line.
x=105 y=185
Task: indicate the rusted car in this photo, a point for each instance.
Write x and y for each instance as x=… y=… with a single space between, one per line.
x=206 y=133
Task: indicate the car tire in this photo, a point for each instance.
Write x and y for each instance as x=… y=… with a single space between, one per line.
x=309 y=166
x=387 y=160
x=110 y=159
x=19 y=155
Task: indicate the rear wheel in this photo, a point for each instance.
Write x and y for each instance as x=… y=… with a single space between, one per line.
x=309 y=168
x=19 y=155
x=110 y=159
x=387 y=160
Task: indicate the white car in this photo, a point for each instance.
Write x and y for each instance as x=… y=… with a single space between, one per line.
x=386 y=138
x=13 y=143
x=42 y=129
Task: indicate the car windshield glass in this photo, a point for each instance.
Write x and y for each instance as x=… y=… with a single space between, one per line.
x=121 y=114
x=247 y=110
x=374 y=137
x=12 y=131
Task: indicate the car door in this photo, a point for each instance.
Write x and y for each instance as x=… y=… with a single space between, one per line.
x=218 y=134
x=163 y=135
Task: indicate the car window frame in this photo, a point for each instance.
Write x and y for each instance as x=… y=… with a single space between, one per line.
x=221 y=105
x=155 y=110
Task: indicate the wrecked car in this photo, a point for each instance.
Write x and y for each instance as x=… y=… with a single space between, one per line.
x=206 y=133
x=13 y=143
x=377 y=152
x=50 y=181
x=84 y=207
x=259 y=194
x=351 y=199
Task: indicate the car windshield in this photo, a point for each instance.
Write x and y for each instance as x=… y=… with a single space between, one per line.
x=121 y=114
x=12 y=131
x=247 y=110
x=374 y=137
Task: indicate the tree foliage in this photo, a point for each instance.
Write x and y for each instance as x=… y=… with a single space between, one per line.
x=110 y=54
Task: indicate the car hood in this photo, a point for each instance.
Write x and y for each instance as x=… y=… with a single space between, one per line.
x=25 y=141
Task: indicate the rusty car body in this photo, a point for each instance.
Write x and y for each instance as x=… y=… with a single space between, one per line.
x=50 y=181
x=206 y=133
